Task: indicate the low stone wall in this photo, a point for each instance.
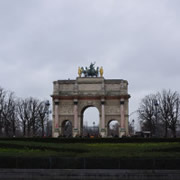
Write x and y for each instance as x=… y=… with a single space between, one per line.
x=82 y=174
x=88 y=163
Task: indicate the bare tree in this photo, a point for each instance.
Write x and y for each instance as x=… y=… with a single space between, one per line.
x=30 y=115
x=43 y=111
x=33 y=109
x=174 y=108
x=169 y=104
x=163 y=99
x=33 y=116
x=146 y=113
x=23 y=115
x=9 y=114
x=2 y=103
x=159 y=111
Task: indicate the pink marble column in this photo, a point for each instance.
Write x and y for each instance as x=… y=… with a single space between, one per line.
x=122 y=113
x=103 y=116
x=75 y=118
x=56 y=118
x=56 y=113
x=103 y=131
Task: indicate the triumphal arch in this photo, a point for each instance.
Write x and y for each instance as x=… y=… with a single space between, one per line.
x=90 y=89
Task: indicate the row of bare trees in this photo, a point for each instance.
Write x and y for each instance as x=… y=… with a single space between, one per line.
x=160 y=113
x=23 y=117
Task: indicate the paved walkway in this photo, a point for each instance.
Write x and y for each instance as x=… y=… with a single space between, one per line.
x=88 y=174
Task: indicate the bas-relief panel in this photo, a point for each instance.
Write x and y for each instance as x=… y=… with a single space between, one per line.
x=112 y=110
x=66 y=102
x=112 y=102
x=122 y=87
x=112 y=87
x=89 y=87
x=126 y=107
x=66 y=87
x=56 y=88
x=66 y=109
x=89 y=93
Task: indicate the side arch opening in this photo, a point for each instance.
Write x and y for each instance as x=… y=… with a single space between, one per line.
x=66 y=128
x=113 y=128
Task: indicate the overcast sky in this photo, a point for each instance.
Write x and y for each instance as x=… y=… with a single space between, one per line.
x=45 y=40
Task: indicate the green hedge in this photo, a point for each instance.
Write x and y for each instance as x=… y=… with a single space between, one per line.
x=94 y=140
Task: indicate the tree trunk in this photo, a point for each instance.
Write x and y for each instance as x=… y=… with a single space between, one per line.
x=166 y=130
x=14 y=128
x=24 y=129
x=174 y=132
x=42 y=130
x=34 y=130
x=28 y=130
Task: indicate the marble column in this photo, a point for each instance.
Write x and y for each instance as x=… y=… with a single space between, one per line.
x=122 y=113
x=103 y=130
x=56 y=118
x=75 y=130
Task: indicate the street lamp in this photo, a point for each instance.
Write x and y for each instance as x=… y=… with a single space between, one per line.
x=133 y=121
x=47 y=105
x=94 y=127
x=156 y=115
x=133 y=126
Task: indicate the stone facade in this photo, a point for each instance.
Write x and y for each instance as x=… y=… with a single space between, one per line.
x=72 y=97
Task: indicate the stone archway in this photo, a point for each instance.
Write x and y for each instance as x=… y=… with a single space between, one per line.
x=92 y=128
x=71 y=97
x=113 y=128
x=66 y=128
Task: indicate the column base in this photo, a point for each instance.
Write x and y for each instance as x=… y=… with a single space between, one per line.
x=55 y=134
x=122 y=132
x=75 y=132
x=103 y=133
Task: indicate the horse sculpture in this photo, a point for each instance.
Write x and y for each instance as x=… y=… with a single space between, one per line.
x=91 y=72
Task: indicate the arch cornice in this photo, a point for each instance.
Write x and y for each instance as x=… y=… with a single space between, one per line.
x=106 y=97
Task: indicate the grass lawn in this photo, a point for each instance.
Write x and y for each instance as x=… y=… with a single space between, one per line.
x=85 y=149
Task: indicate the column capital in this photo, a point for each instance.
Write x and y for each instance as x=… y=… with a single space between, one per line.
x=75 y=101
x=102 y=101
x=56 y=101
x=122 y=102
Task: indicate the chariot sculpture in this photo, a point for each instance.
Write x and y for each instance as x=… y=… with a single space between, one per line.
x=91 y=71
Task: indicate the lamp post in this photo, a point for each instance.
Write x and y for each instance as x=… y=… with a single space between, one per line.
x=133 y=121
x=47 y=105
x=156 y=115
x=133 y=126
x=94 y=127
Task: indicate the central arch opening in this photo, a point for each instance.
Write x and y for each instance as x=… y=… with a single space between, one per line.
x=90 y=122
